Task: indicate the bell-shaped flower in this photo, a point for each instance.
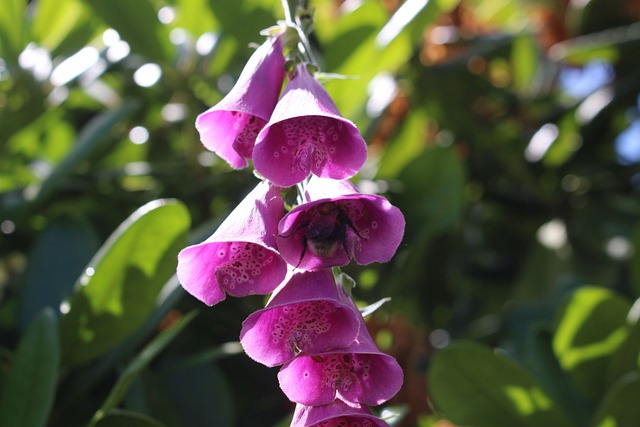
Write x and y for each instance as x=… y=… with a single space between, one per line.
x=240 y=257
x=359 y=373
x=230 y=127
x=335 y=414
x=306 y=134
x=307 y=314
x=337 y=224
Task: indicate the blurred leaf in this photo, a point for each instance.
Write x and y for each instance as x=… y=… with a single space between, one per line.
x=634 y=262
x=30 y=387
x=121 y=285
x=405 y=146
x=627 y=357
x=11 y=27
x=471 y=385
x=201 y=396
x=607 y=45
x=619 y=407
x=354 y=52
x=590 y=329
x=195 y=16
x=137 y=23
x=540 y=360
x=432 y=197
x=89 y=140
x=120 y=418
x=525 y=57
x=136 y=366
x=53 y=21
x=57 y=259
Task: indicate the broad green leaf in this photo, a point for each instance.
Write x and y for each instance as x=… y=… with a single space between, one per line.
x=136 y=366
x=53 y=21
x=540 y=360
x=12 y=27
x=471 y=385
x=619 y=407
x=137 y=23
x=590 y=329
x=120 y=418
x=57 y=260
x=120 y=287
x=29 y=390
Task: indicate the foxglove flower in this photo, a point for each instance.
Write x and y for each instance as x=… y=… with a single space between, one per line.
x=306 y=134
x=359 y=373
x=240 y=257
x=230 y=127
x=307 y=314
x=335 y=414
x=339 y=223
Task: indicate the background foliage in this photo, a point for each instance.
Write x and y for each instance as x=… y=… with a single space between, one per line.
x=508 y=132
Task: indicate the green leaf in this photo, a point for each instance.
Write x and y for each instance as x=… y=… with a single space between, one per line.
x=405 y=146
x=120 y=418
x=634 y=262
x=59 y=256
x=525 y=57
x=137 y=23
x=30 y=387
x=54 y=20
x=627 y=358
x=471 y=385
x=11 y=27
x=136 y=366
x=620 y=407
x=590 y=328
x=200 y=395
x=121 y=284
x=89 y=140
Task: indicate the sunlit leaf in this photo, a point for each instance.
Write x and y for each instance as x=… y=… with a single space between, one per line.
x=120 y=286
x=29 y=389
x=53 y=20
x=471 y=385
x=12 y=27
x=590 y=328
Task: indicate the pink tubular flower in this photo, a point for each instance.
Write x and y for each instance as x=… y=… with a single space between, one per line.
x=307 y=314
x=230 y=127
x=337 y=224
x=306 y=134
x=335 y=414
x=239 y=258
x=360 y=373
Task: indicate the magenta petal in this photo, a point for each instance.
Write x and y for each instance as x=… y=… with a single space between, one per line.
x=307 y=314
x=306 y=134
x=330 y=231
x=359 y=373
x=335 y=414
x=230 y=127
x=240 y=257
